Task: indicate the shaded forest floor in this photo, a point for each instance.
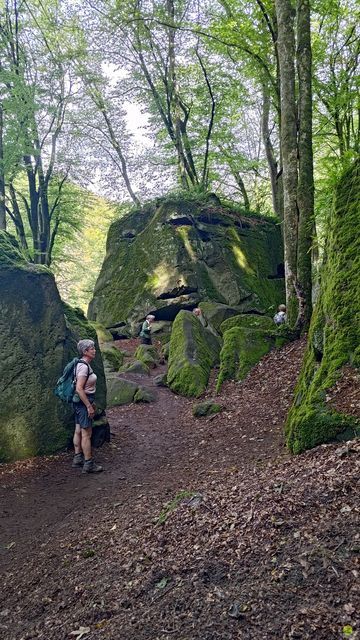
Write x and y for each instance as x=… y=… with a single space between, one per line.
x=199 y=529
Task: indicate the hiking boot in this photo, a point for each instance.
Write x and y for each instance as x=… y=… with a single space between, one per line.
x=78 y=460
x=91 y=467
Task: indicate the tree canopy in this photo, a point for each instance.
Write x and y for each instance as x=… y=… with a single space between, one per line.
x=132 y=99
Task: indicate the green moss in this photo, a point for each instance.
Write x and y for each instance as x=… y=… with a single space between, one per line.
x=334 y=334
x=10 y=252
x=144 y=395
x=113 y=357
x=248 y=321
x=137 y=366
x=149 y=253
x=255 y=254
x=207 y=408
x=147 y=354
x=120 y=391
x=242 y=349
x=102 y=333
x=190 y=357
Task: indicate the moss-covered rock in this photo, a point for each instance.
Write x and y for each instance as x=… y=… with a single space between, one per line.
x=137 y=366
x=102 y=333
x=161 y=380
x=215 y=314
x=334 y=336
x=144 y=395
x=38 y=336
x=243 y=348
x=190 y=357
x=248 y=321
x=165 y=350
x=207 y=408
x=120 y=391
x=112 y=357
x=172 y=256
x=147 y=354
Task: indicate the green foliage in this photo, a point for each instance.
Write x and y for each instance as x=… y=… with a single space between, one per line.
x=10 y=252
x=80 y=246
x=334 y=335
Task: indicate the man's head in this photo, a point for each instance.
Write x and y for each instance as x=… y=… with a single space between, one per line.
x=150 y=318
x=282 y=307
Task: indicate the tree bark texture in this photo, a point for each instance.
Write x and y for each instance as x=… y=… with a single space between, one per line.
x=2 y=174
x=305 y=192
x=286 y=53
x=275 y=178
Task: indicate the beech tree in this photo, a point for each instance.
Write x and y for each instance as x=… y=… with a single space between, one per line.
x=294 y=52
x=37 y=86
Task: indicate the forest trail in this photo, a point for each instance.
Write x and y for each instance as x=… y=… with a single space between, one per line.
x=68 y=540
x=150 y=443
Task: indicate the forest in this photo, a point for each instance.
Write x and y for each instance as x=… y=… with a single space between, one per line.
x=105 y=105
x=196 y=164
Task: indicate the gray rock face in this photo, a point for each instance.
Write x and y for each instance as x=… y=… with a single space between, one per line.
x=36 y=341
x=120 y=391
x=164 y=259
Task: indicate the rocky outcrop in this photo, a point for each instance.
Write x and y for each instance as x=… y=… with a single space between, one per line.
x=38 y=336
x=165 y=258
x=247 y=339
x=193 y=351
x=333 y=350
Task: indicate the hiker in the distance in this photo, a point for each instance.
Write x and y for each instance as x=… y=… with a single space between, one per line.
x=85 y=408
x=199 y=314
x=145 y=333
x=280 y=316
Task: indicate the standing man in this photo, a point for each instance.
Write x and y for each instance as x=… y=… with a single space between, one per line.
x=145 y=333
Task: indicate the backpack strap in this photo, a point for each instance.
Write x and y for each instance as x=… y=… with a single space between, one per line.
x=88 y=367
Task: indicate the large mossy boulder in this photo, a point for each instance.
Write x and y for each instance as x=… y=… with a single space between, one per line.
x=334 y=337
x=120 y=390
x=248 y=321
x=147 y=354
x=37 y=337
x=168 y=257
x=191 y=356
x=244 y=346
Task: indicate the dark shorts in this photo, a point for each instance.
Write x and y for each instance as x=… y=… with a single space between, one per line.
x=81 y=413
x=145 y=340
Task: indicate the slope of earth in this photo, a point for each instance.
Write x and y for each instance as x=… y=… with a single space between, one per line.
x=199 y=529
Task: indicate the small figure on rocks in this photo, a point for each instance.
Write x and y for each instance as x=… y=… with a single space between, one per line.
x=145 y=333
x=83 y=403
x=199 y=314
x=280 y=316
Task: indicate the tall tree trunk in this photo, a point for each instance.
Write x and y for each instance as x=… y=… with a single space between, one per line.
x=17 y=219
x=286 y=52
x=186 y=164
x=2 y=174
x=305 y=195
x=275 y=179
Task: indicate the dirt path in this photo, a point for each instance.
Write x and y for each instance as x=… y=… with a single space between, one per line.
x=156 y=451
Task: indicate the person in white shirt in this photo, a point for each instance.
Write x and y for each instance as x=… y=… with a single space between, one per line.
x=280 y=316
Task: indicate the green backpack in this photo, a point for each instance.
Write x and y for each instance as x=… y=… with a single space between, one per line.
x=65 y=386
